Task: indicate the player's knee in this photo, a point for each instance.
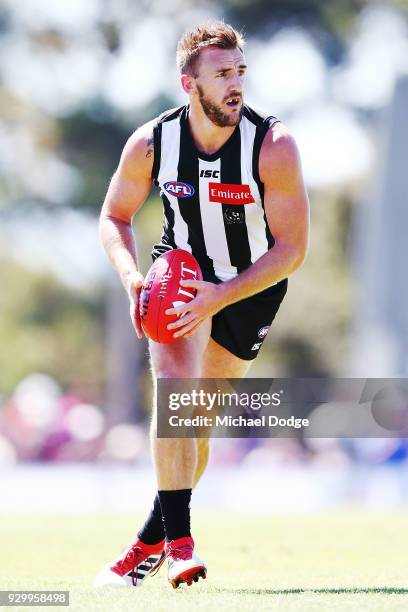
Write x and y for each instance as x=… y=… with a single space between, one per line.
x=178 y=366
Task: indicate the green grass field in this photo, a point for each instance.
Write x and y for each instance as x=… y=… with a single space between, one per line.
x=332 y=562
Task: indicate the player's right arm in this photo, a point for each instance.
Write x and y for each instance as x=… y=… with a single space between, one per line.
x=128 y=190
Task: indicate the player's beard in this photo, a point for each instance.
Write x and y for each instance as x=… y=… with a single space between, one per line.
x=215 y=113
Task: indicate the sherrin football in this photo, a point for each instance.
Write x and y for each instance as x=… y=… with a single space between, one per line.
x=162 y=290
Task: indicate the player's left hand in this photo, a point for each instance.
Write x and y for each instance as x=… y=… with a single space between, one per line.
x=206 y=303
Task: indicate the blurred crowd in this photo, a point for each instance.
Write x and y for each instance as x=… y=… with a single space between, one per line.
x=40 y=422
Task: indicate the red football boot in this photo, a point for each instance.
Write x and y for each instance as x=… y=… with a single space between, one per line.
x=184 y=564
x=132 y=567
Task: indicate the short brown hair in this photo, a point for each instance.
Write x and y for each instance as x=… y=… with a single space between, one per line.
x=216 y=34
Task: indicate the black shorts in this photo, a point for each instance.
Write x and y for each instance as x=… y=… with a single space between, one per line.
x=242 y=327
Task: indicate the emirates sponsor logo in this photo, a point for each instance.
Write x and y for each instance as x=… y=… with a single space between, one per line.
x=226 y=193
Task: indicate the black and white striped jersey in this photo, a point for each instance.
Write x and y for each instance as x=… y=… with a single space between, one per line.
x=213 y=204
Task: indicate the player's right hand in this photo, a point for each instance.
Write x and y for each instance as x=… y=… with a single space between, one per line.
x=134 y=283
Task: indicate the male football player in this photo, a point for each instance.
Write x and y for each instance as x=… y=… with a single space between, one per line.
x=233 y=195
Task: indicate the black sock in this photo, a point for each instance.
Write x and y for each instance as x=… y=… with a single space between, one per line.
x=175 y=507
x=152 y=531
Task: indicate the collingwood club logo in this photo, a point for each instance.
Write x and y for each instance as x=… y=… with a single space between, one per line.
x=232 y=216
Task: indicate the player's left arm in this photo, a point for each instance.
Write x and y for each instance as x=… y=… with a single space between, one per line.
x=287 y=213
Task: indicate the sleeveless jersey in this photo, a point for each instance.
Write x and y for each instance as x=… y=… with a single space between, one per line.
x=213 y=204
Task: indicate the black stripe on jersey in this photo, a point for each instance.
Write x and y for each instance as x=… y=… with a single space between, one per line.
x=167 y=242
x=187 y=172
x=253 y=116
x=234 y=215
x=157 y=136
x=258 y=118
x=171 y=114
x=260 y=134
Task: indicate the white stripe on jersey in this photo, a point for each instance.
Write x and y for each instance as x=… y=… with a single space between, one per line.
x=170 y=151
x=213 y=223
x=258 y=242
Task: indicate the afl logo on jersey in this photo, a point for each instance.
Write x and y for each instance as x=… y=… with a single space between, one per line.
x=178 y=189
x=263 y=331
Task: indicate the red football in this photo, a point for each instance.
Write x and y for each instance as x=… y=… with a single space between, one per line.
x=161 y=290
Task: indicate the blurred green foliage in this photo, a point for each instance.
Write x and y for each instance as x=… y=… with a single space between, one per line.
x=47 y=327
x=94 y=149
x=334 y=17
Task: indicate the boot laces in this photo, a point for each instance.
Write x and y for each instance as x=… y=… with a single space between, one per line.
x=182 y=552
x=134 y=557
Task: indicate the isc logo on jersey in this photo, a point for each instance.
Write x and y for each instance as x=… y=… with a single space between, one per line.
x=179 y=189
x=210 y=174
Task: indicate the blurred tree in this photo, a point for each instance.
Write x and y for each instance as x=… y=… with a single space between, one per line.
x=92 y=143
x=48 y=328
x=265 y=17
x=330 y=22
